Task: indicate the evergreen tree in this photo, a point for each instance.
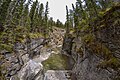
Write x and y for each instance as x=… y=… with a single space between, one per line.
x=32 y=13
x=76 y=21
x=3 y=10
x=18 y=12
x=71 y=14
x=41 y=20
x=81 y=11
x=67 y=22
x=36 y=19
x=102 y=4
x=25 y=20
x=91 y=8
x=41 y=11
x=50 y=23
x=46 y=13
x=46 y=20
x=58 y=23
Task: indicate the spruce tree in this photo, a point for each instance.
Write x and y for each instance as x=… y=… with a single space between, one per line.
x=19 y=12
x=67 y=22
x=3 y=10
x=50 y=23
x=41 y=11
x=32 y=13
x=36 y=19
x=46 y=20
x=71 y=13
x=25 y=19
x=76 y=20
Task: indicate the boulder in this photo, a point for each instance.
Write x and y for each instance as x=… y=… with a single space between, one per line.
x=31 y=71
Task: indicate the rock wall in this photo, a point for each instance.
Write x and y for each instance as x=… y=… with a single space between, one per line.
x=97 y=51
x=21 y=61
x=31 y=60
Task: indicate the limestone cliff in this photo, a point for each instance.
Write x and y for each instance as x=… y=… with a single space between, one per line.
x=96 y=51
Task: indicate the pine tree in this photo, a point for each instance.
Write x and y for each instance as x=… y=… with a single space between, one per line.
x=50 y=23
x=91 y=8
x=19 y=12
x=76 y=20
x=46 y=15
x=71 y=14
x=102 y=4
x=32 y=13
x=46 y=20
x=67 y=22
x=36 y=19
x=25 y=19
x=81 y=10
x=58 y=23
x=41 y=20
x=3 y=10
x=94 y=7
x=41 y=11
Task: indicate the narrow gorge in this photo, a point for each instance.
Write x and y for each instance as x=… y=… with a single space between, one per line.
x=35 y=47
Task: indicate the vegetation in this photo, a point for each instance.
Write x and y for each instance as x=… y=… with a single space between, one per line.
x=56 y=62
x=18 y=21
x=92 y=20
x=21 y=21
x=26 y=19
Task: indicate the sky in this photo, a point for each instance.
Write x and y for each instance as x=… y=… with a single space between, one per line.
x=57 y=8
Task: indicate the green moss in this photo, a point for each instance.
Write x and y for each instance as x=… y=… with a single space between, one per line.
x=72 y=31
x=113 y=63
x=8 y=47
x=2 y=76
x=35 y=35
x=88 y=38
x=100 y=49
x=106 y=51
x=96 y=46
x=56 y=62
x=108 y=9
x=80 y=51
x=86 y=28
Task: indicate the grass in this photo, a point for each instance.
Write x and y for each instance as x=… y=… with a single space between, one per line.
x=56 y=62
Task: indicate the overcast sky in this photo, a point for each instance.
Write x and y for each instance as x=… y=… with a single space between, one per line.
x=58 y=8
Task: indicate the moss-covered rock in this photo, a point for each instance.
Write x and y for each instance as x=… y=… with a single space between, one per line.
x=99 y=44
x=35 y=35
x=8 y=47
x=113 y=63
